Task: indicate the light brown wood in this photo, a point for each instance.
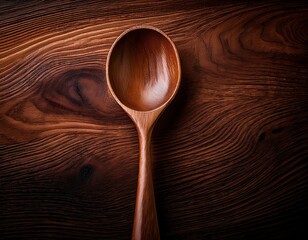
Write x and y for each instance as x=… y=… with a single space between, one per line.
x=143 y=74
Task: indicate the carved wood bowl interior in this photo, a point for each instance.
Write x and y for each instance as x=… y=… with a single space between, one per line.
x=144 y=69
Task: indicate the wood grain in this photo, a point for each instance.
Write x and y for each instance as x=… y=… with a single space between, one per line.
x=143 y=69
x=230 y=153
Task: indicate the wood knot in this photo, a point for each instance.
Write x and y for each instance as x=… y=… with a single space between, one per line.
x=85 y=173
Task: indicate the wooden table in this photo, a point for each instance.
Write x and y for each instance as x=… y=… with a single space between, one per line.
x=230 y=153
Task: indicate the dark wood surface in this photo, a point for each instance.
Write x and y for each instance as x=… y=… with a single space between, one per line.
x=230 y=153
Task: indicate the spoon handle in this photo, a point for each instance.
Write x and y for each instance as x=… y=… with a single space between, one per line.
x=145 y=221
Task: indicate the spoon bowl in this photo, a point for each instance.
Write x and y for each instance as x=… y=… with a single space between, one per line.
x=143 y=69
x=143 y=75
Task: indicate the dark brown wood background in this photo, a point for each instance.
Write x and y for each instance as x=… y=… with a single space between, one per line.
x=230 y=153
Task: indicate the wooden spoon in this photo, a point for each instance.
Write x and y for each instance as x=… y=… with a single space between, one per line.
x=143 y=74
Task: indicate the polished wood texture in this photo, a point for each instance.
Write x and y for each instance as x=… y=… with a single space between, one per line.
x=143 y=75
x=229 y=153
x=144 y=68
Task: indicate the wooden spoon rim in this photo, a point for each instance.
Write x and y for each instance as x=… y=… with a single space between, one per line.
x=166 y=102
